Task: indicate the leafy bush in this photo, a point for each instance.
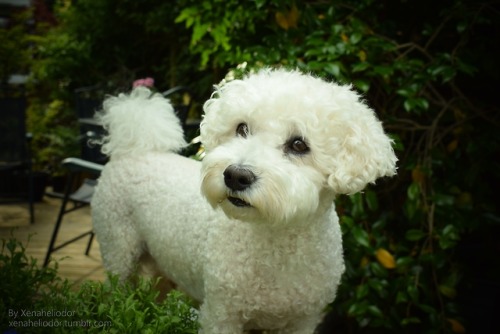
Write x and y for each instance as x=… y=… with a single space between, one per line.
x=55 y=134
x=112 y=44
x=36 y=300
x=15 y=52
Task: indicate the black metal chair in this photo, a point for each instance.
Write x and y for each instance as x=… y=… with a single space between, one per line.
x=81 y=197
x=82 y=173
x=16 y=174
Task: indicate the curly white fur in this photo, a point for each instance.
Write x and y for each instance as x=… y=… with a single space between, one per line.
x=139 y=127
x=272 y=257
x=346 y=138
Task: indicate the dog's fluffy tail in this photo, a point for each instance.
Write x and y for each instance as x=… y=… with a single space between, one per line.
x=139 y=122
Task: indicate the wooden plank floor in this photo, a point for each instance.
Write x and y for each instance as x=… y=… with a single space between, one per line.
x=73 y=263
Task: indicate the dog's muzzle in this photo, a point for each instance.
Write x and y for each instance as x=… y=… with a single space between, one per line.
x=238 y=178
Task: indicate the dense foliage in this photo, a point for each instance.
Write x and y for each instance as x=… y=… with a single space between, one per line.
x=37 y=300
x=110 y=45
x=14 y=49
x=416 y=245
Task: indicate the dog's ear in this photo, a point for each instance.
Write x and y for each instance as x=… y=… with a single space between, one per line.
x=359 y=150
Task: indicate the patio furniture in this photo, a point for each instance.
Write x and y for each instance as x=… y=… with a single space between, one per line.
x=82 y=175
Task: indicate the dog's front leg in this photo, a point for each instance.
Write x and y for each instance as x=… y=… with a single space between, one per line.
x=218 y=318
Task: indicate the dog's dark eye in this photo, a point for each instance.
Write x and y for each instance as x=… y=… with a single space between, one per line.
x=297 y=146
x=242 y=130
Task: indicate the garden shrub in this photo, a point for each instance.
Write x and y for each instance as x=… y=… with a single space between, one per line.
x=37 y=300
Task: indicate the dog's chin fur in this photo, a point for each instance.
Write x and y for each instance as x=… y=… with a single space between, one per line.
x=265 y=255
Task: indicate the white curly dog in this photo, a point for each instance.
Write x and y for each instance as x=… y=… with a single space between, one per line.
x=263 y=249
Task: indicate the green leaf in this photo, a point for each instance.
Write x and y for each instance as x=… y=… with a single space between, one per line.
x=336 y=29
x=383 y=70
x=449 y=237
x=447 y=291
x=411 y=208
x=398 y=143
x=355 y=38
x=414 y=235
x=313 y=52
x=358 y=209
x=375 y=311
x=361 y=236
x=409 y=104
x=448 y=74
x=260 y=3
x=102 y=309
x=199 y=31
x=427 y=308
x=450 y=231
x=444 y=200
x=360 y=67
x=378 y=270
x=462 y=26
x=362 y=85
x=421 y=103
x=379 y=285
x=346 y=220
x=361 y=291
x=371 y=200
x=330 y=49
x=356 y=309
x=413 y=293
x=333 y=69
x=316 y=66
x=413 y=191
x=401 y=297
x=404 y=92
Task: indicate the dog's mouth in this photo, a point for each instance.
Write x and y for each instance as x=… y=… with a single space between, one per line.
x=238 y=202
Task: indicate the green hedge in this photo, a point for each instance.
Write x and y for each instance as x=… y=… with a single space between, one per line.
x=37 y=300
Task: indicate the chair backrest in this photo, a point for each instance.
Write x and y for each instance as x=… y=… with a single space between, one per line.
x=13 y=146
x=181 y=98
x=86 y=105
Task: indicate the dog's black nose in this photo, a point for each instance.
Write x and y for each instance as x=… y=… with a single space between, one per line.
x=238 y=177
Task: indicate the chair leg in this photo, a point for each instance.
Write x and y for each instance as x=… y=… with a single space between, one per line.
x=62 y=211
x=92 y=235
x=54 y=235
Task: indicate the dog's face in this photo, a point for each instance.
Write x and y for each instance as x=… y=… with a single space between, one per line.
x=279 y=142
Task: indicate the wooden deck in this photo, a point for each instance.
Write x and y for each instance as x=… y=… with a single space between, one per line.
x=73 y=263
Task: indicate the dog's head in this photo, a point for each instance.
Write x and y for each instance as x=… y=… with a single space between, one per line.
x=279 y=141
